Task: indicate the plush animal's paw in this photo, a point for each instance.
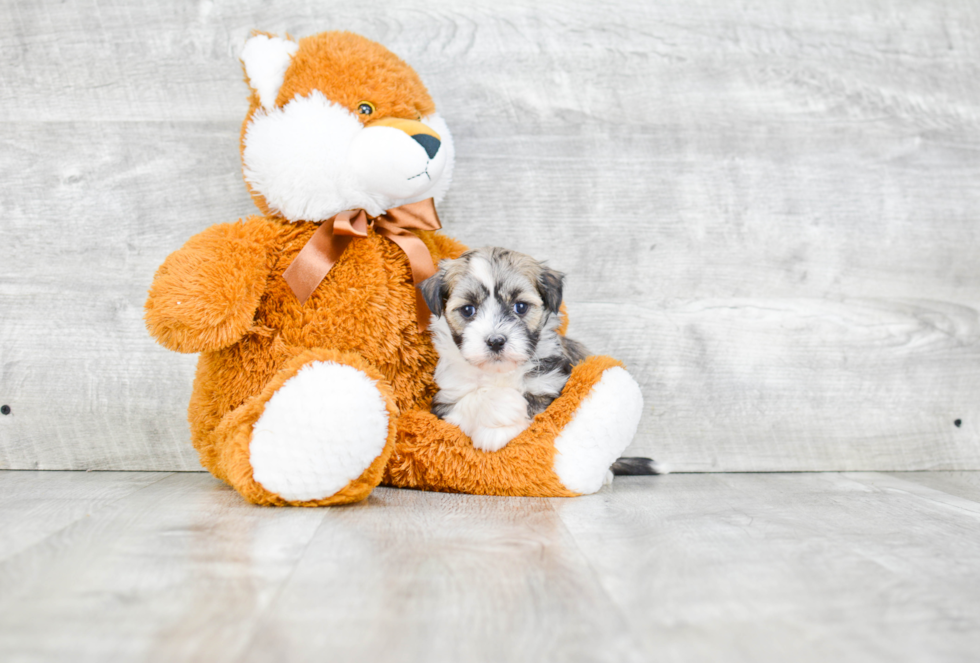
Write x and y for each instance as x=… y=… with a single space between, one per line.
x=599 y=431
x=318 y=432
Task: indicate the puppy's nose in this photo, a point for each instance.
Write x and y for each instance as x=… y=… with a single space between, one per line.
x=496 y=343
x=429 y=143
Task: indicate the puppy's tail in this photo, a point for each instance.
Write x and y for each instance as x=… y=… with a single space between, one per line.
x=634 y=466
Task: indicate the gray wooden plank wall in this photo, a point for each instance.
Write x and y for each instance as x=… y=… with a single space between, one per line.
x=768 y=210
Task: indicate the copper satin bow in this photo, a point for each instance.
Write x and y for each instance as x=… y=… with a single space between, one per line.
x=328 y=243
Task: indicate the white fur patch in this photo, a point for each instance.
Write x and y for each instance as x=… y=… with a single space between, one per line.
x=319 y=431
x=491 y=416
x=266 y=60
x=295 y=157
x=603 y=427
x=482 y=271
x=313 y=158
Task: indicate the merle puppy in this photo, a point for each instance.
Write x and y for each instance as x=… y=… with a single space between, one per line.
x=501 y=358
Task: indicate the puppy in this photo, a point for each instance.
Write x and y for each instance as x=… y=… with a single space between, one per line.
x=501 y=358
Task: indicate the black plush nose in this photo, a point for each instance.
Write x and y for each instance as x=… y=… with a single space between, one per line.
x=429 y=143
x=496 y=343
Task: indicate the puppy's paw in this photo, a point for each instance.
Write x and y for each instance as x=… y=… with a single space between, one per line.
x=494 y=439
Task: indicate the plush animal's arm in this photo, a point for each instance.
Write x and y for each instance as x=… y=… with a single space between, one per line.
x=566 y=451
x=204 y=296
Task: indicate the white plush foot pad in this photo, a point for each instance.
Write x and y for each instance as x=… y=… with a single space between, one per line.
x=319 y=431
x=603 y=427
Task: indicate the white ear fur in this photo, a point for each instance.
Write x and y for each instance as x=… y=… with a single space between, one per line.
x=266 y=60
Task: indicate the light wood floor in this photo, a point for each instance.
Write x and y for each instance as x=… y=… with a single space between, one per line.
x=106 y=566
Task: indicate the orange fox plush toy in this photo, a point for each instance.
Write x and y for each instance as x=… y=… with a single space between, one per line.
x=316 y=371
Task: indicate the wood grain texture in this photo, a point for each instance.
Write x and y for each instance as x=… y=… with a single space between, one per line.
x=178 y=571
x=419 y=576
x=960 y=484
x=802 y=384
x=731 y=567
x=81 y=245
x=801 y=567
x=767 y=210
x=34 y=506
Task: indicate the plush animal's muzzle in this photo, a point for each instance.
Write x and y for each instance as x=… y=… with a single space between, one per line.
x=397 y=157
x=422 y=134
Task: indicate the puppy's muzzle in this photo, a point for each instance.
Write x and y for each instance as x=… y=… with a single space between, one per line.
x=496 y=343
x=420 y=133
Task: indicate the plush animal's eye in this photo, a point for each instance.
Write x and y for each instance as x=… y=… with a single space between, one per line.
x=520 y=308
x=467 y=311
x=365 y=108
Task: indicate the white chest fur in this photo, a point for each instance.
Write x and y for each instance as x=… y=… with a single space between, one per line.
x=491 y=415
x=489 y=407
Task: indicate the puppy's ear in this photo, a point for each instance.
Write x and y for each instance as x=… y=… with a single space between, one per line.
x=435 y=292
x=550 y=284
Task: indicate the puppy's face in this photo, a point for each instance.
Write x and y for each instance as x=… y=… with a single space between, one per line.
x=496 y=303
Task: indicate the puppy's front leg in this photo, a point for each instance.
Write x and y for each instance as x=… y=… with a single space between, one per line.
x=490 y=416
x=495 y=439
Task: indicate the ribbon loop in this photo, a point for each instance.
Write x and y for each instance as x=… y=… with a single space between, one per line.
x=328 y=243
x=352 y=223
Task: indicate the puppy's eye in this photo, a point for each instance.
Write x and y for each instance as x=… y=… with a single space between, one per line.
x=520 y=308
x=365 y=108
x=467 y=311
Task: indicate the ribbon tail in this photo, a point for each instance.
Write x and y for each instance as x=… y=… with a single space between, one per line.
x=420 y=260
x=422 y=313
x=314 y=261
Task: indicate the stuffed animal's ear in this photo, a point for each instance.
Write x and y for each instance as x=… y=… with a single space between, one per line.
x=435 y=292
x=550 y=284
x=266 y=59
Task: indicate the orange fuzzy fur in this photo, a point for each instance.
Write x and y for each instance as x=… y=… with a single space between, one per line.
x=222 y=294
x=522 y=468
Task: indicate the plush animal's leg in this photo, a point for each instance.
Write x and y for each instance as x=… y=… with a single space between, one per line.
x=566 y=451
x=320 y=433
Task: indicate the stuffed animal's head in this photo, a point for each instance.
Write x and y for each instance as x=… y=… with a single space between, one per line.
x=338 y=122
